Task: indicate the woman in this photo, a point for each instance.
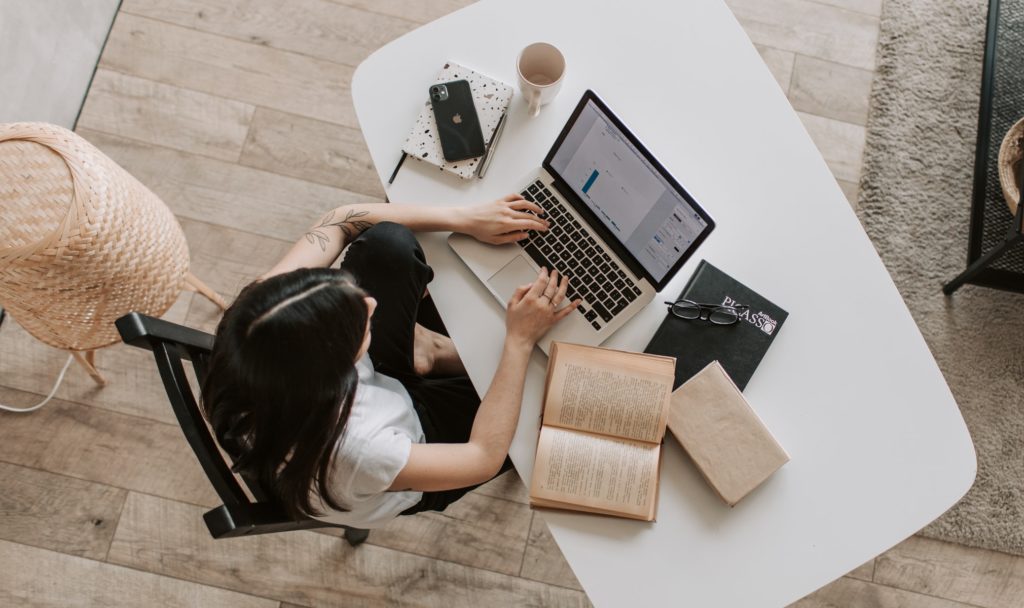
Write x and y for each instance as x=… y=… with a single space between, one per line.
x=326 y=389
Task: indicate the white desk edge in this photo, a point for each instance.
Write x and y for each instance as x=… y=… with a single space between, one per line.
x=778 y=155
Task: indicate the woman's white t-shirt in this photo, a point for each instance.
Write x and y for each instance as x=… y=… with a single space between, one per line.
x=373 y=449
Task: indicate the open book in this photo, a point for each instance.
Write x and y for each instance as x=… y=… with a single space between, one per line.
x=605 y=413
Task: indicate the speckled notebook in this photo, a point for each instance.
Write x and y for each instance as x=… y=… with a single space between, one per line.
x=492 y=98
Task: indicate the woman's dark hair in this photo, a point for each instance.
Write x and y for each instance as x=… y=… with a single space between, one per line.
x=282 y=378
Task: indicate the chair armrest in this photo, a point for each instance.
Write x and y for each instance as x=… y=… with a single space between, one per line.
x=141 y=331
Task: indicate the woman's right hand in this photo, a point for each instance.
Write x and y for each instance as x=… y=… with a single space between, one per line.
x=533 y=309
x=505 y=220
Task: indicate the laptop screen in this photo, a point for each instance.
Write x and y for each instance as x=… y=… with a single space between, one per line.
x=649 y=214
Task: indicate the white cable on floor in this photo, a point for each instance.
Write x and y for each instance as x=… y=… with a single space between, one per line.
x=56 y=385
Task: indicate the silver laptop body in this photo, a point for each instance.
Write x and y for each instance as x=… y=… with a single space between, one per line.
x=621 y=226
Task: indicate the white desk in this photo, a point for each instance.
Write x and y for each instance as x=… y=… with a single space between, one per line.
x=849 y=388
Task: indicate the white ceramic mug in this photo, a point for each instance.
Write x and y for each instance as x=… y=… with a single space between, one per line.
x=541 y=70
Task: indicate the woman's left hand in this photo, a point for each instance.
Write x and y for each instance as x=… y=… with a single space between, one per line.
x=505 y=220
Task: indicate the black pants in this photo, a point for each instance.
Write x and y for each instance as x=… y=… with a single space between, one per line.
x=389 y=265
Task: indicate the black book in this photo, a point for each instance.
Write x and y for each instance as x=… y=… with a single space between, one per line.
x=738 y=347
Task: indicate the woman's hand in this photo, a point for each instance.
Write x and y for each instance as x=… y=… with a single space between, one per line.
x=503 y=221
x=533 y=309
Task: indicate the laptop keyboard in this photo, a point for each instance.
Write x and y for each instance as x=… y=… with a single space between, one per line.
x=570 y=248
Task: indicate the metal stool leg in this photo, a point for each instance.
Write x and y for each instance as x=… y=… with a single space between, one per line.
x=979 y=265
x=1013 y=236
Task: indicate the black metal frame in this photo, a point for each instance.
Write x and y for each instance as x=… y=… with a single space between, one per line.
x=238 y=516
x=977 y=271
x=710 y=309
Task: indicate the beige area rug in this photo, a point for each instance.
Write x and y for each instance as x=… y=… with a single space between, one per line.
x=914 y=204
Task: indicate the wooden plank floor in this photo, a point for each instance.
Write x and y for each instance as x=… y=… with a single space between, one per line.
x=238 y=114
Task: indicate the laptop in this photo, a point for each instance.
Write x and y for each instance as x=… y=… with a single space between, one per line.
x=620 y=227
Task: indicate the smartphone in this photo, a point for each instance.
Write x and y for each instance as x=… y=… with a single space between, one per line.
x=458 y=126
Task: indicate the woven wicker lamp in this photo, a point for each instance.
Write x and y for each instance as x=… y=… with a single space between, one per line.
x=82 y=242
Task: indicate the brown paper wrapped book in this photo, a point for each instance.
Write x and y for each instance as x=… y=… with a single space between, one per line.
x=599 y=449
x=725 y=438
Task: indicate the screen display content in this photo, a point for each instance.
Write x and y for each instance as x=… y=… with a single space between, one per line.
x=633 y=200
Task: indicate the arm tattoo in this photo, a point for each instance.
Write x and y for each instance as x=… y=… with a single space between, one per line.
x=351 y=226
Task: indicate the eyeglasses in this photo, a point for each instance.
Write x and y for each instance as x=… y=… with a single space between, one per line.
x=719 y=315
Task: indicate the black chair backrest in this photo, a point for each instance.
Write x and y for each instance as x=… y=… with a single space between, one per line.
x=239 y=515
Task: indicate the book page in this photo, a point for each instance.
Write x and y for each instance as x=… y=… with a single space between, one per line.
x=609 y=392
x=612 y=475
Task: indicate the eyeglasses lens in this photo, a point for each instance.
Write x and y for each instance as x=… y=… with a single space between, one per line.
x=686 y=310
x=723 y=316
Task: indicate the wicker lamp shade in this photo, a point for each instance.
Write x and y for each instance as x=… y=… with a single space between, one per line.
x=82 y=242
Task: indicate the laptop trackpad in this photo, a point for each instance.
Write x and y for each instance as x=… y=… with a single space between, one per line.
x=512 y=275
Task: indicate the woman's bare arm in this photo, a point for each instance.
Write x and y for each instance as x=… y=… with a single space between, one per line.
x=533 y=310
x=445 y=466
x=501 y=221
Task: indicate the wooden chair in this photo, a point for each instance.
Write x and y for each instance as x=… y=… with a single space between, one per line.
x=239 y=515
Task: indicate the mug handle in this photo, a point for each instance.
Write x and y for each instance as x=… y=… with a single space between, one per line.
x=535 y=105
